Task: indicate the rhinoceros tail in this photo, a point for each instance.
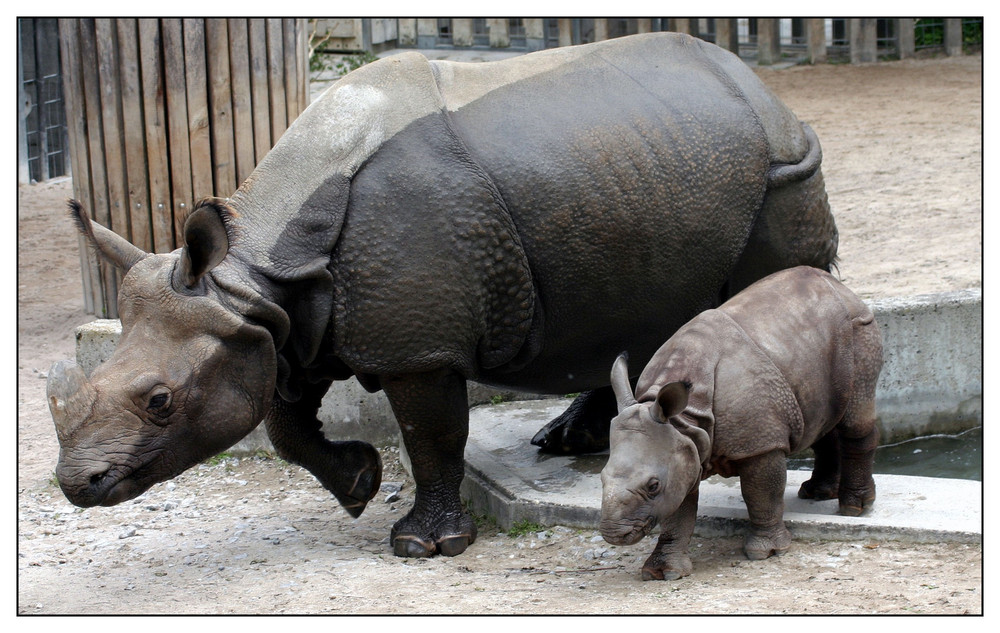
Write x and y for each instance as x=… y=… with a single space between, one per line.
x=782 y=174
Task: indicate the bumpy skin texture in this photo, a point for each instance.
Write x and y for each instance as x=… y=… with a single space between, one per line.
x=517 y=223
x=790 y=363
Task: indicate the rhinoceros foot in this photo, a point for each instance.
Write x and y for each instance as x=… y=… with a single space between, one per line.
x=356 y=479
x=818 y=490
x=450 y=538
x=583 y=428
x=672 y=567
x=763 y=543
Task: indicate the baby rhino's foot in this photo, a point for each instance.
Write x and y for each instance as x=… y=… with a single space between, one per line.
x=762 y=543
x=670 y=567
x=818 y=489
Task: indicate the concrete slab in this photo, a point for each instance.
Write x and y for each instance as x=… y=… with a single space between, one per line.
x=507 y=478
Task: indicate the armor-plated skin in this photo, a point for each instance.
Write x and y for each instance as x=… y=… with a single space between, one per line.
x=426 y=223
x=789 y=363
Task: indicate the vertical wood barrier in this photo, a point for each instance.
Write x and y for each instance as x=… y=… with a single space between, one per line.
x=163 y=112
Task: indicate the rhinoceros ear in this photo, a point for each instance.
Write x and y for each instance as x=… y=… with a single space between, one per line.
x=671 y=400
x=113 y=247
x=206 y=242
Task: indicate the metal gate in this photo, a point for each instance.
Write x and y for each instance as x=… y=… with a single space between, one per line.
x=42 y=146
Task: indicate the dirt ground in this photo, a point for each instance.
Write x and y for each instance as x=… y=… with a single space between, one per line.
x=903 y=165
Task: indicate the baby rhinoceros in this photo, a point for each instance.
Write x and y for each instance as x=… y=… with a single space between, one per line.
x=789 y=363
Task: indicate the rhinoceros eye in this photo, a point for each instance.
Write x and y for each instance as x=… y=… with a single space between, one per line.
x=653 y=486
x=159 y=402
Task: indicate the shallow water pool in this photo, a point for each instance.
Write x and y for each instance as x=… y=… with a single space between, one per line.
x=957 y=456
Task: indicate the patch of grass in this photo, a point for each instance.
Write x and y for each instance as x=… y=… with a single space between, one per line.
x=497 y=399
x=215 y=460
x=524 y=527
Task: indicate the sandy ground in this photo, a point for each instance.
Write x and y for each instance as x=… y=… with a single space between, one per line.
x=903 y=164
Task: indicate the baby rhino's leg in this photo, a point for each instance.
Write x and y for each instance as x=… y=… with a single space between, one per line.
x=825 y=480
x=670 y=559
x=857 y=430
x=762 y=481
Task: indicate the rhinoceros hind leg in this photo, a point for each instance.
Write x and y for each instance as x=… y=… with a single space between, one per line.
x=351 y=470
x=825 y=481
x=433 y=414
x=583 y=428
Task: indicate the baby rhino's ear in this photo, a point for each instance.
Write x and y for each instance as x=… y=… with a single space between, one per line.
x=205 y=242
x=671 y=400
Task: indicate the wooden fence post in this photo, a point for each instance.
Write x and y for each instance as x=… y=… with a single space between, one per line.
x=162 y=112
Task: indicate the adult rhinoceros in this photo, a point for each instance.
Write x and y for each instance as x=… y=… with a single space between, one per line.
x=425 y=223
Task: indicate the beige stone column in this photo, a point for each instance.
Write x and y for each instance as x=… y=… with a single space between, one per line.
x=953 y=36
x=499 y=32
x=534 y=33
x=727 y=34
x=407 y=31
x=768 y=42
x=600 y=29
x=816 y=38
x=680 y=25
x=565 y=31
x=863 y=40
x=906 y=46
x=461 y=31
x=643 y=25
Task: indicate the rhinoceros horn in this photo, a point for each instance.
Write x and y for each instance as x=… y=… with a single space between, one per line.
x=620 y=384
x=70 y=397
x=115 y=248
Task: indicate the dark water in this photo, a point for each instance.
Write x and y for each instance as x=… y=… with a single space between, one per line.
x=950 y=456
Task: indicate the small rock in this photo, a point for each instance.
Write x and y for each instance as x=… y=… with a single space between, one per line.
x=129 y=531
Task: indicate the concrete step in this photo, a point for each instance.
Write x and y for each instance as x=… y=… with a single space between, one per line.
x=508 y=479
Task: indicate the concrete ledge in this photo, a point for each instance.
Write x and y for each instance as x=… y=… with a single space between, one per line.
x=931 y=381
x=932 y=378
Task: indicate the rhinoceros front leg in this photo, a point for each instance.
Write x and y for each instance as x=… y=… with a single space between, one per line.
x=351 y=470
x=433 y=414
x=671 y=559
x=583 y=428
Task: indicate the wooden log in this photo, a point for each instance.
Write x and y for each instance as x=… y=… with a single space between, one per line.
x=197 y=106
x=302 y=64
x=220 y=106
x=154 y=108
x=239 y=65
x=108 y=307
x=259 y=88
x=134 y=134
x=276 y=79
x=291 y=77
x=111 y=119
x=72 y=76
x=181 y=187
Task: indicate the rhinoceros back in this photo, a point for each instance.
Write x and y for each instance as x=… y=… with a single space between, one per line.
x=634 y=172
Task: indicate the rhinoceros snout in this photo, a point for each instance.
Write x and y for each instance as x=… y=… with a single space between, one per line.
x=626 y=532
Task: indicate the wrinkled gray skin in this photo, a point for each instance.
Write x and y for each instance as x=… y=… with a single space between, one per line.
x=789 y=363
x=426 y=223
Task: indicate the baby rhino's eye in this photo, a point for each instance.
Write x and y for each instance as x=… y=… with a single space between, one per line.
x=653 y=486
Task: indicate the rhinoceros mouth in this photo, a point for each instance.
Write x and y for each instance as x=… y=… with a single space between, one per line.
x=627 y=531
x=109 y=487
